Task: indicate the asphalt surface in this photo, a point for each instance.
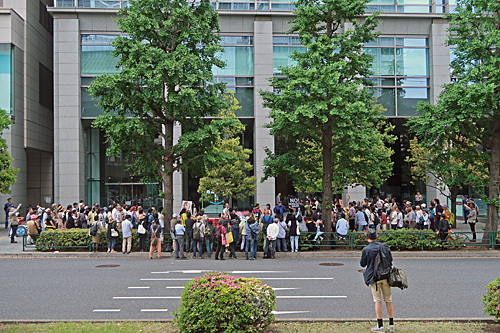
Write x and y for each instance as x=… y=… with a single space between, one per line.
x=74 y=288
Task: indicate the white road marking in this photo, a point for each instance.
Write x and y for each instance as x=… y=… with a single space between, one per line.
x=165 y=279
x=107 y=310
x=181 y=287
x=154 y=310
x=292 y=278
x=184 y=272
x=138 y=287
x=229 y=272
x=147 y=297
x=299 y=296
x=257 y=272
x=278 y=289
x=258 y=278
x=289 y=312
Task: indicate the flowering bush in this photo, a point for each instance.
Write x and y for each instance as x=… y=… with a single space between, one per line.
x=217 y=302
x=491 y=300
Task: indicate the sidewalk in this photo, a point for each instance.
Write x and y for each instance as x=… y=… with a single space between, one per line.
x=8 y=249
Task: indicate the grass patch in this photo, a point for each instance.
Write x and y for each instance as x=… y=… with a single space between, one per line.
x=283 y=327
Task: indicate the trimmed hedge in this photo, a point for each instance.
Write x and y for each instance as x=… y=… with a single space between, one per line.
x=411 y=239
x=77 y=239
x=402 y=239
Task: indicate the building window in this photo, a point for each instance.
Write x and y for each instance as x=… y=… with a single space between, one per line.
x=400 y=73
x=283 y=47
x=400 y=6
x=238 y=73
x=45 y=87
x=96 y=57
x=45 y=18
x=7 y=78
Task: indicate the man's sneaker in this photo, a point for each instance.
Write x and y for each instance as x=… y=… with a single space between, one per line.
x=392 y=328
x=378 y=329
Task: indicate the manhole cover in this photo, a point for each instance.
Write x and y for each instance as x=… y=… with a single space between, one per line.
x=107 y=266
x=331 y=264
x=361 y=270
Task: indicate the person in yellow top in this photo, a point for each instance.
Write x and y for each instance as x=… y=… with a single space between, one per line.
x=183 y=216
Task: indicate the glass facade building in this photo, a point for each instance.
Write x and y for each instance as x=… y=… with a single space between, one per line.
x=410 y=64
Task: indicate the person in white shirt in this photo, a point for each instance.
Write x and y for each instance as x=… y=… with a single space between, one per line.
x=272 y=235
x=400 y=218
x=394 y=219
x=420 y=218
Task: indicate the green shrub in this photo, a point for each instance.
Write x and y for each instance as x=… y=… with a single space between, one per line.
x=491 y=300
x=78 y=239
x=410 y=239
x=216 y=302
x=63 y=240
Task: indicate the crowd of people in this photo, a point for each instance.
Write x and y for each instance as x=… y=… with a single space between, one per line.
x=194 y=232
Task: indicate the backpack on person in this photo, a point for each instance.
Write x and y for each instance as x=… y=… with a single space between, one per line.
x=93 y=229
x=197 y=231
x=376 y=219
x=382 y=265
x=218 y=234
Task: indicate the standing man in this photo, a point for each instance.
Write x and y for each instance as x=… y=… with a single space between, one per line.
x=465 y=204
x=14 y=222
x=272 y=234
x=127 y=235
x=179 y=244
x=279 y=210
x=6 y=208
x=278 y=198
x=360 y=219
x=418 y=198
x=189 y=232
x=352 y=215
x=381 y=286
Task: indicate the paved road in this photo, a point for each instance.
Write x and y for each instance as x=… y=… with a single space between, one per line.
x=73 y=288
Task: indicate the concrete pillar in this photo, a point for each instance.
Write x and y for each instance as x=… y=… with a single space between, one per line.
x=439 y=58
x=263 y=69
x=69 y=151
x=354 y=193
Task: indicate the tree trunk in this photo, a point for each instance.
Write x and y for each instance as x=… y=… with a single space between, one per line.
x=453 y=196
x=167 y=174
x=326 y=141
x=494 y=170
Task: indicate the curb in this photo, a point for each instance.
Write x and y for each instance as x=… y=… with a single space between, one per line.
x=287 y=320
x=299 y=255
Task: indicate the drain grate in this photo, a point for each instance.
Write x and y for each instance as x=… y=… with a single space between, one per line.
x=107 y=266
x=331 y=264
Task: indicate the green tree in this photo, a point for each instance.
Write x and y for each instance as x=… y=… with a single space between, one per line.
x=322 y=106
x=166 y=79
x=469 y=107
x=227 y=165
x=229 y=178
x=7 y=172
x=447 y=168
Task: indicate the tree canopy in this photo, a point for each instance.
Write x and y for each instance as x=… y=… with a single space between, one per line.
x=322 y=107
x=166 y=80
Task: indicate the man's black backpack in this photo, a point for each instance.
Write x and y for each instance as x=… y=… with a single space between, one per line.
x=382 y=265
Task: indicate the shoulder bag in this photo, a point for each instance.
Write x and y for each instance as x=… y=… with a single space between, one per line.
x=397 y=278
